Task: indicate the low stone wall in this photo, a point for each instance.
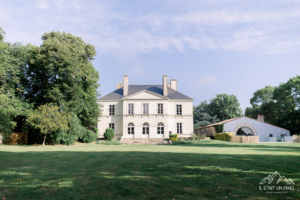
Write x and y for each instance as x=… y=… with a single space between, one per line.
x=296 y=138
x=245 y=139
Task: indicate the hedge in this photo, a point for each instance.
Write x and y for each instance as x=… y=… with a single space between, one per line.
x=226 y=136
x=173 y=137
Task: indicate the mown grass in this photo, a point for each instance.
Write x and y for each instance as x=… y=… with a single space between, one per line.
x=215 y=170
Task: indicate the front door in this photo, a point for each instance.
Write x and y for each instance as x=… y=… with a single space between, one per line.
x=145 y=130
x=130 y=130
x=160 y=130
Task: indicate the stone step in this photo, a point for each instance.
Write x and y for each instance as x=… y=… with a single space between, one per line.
x=146 y=141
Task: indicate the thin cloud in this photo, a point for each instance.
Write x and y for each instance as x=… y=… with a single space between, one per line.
x=258 y=26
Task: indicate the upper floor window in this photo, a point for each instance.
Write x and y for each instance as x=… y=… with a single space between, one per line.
x=178 y=110
x=145 y=109
x=160 y=108
x=112 y=126
x=111 y=109
x=179 y=128
x=130 y=109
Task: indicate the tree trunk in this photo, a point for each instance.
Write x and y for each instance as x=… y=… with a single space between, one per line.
x=44 y=140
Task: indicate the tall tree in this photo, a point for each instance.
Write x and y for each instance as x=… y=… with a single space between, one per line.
x=13 y=59
x=225 y=107
x=286 y=109
x=202 y=115
x=61 y=72
x=262 y=103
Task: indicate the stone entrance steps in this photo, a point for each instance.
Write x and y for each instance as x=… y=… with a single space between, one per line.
x=145 y=141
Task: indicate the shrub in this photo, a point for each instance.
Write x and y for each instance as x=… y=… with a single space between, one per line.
x=191 y=141
x=226 y=136
x=89 y=136
x=109 y=134
x=173 y=137
x=106 y=142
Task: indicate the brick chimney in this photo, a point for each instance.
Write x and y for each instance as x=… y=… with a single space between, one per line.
x=260 y=118
x=165 y=85
x=173 y=84
x=125 y=85
x=119 y=85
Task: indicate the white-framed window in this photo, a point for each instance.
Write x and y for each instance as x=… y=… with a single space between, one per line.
x=130 y=109
x=160 y=128
x=111 y=109
x=145 y=128
x=130 y=129
x=160 y=109
x=179 y=128
x=112 y=126
x=178 y=109
x=145 y=109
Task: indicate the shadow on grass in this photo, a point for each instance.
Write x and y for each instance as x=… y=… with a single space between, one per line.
x=270 y=146
x=140 y=175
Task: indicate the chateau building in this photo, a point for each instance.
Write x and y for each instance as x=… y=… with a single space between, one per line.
x=146 y=111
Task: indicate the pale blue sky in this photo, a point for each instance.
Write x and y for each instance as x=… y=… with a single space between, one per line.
x=209 y=46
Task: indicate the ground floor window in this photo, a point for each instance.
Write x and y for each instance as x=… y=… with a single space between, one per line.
x=130 y=129
x=145 y=128
x=179 y=128
x=112 y=126
x=160 y=128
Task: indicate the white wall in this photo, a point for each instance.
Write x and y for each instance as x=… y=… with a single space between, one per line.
x=262 y=129
x=169 y=118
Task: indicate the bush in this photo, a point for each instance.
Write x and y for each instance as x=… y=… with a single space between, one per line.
x=109 y=134
x=226 y=136
x=191 y=141
x=89 y=136
x=173 y=137
x=106 y=142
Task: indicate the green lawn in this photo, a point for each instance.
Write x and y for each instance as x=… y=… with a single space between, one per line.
x=217 y=170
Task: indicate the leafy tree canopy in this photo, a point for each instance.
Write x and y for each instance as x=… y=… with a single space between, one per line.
x=202 y=115
x=49 y=118
x=225 y=107
x=61 y=72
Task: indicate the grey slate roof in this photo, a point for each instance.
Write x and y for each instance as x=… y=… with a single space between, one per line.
x=132 y=89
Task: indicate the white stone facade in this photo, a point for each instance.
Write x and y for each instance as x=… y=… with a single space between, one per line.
x=170 y=118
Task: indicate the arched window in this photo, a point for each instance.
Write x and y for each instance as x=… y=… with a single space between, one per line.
x=160 y=128
x=145 y=128
x=130 y=129
x=245 y=131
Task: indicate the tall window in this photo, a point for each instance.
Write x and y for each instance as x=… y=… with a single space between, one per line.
x=160 y=108
x=160 y=128
x=130 y=109
x=112 y=126
x=130 y=129
x=145 y=128
x=178 y=110
x=145 y=109
x=179 y=128
x=111 y=109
